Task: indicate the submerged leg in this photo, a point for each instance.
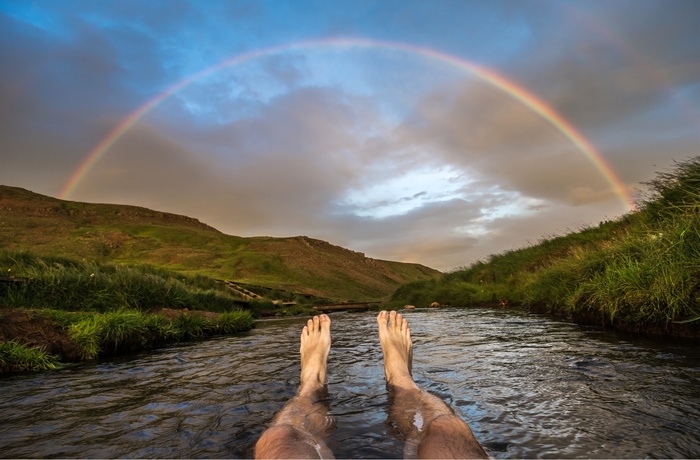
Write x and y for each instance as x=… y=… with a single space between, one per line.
x=299 y=429
x=431 y=428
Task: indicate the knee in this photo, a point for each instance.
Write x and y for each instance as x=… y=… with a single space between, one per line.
x=285 y=441
x=448 y=436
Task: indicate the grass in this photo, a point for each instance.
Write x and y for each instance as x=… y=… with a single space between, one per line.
x=232 y=322
x=188 y=327
x=72 y=285
x=639 y=272
x=87 y=336
x=159 y=328
x=113 y=332
x=17 y=357
x=121 y=327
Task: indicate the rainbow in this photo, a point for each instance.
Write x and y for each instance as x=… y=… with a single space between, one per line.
x=488 y=76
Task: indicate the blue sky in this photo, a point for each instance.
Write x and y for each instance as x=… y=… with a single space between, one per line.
x=393 y=153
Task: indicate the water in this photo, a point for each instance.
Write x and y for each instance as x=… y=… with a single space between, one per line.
x=527 y=385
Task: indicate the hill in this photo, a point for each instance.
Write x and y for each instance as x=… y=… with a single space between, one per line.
x=124 y=234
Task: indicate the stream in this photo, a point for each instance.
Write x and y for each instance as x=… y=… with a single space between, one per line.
x=528 y=386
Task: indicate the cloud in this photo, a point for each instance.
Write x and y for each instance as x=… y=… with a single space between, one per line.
x=61 y=93
x=279 y=170
x=479 y=129
x=605 y=64
x=424 y=234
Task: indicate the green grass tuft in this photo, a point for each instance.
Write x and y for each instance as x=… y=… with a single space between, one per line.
x=122 y=327
x=87 y=335
x=188 y=326
x=234 y=321
x=17 y=357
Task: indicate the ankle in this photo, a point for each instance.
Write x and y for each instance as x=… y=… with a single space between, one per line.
x=402 y=384
x=310 y=388
x=401 y=380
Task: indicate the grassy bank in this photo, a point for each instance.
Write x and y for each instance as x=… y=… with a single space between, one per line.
x=638 y=273
x=58 y=309
x=47 y=337
x=96 y=334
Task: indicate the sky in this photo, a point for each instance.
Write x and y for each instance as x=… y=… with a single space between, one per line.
x=436 y=132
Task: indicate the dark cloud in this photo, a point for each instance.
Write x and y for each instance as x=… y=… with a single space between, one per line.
x=610 y=60
x=61 y=93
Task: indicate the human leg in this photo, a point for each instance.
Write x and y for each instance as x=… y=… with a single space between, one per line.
x=431 y=428
x=298 y=430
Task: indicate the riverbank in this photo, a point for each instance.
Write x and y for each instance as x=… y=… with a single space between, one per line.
x=33 y=340
x=686 y=331
x=55 y=310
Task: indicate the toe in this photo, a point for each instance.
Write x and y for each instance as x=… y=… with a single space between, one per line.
x=392 y=320
x=383 y=318
x=399 y=322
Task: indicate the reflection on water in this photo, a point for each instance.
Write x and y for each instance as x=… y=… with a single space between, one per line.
x=528 y=386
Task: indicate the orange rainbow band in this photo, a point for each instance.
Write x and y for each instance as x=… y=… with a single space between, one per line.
x=489 y=76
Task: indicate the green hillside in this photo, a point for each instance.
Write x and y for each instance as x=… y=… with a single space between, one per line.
x=133 y=235
x=638 y=273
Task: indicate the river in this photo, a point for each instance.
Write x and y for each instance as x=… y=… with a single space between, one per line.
x=527 y=385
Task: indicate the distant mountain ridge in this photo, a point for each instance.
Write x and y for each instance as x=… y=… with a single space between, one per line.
x=132 y=234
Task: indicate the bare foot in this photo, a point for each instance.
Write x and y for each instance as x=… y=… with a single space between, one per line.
x=395 y=338
x=315 y=346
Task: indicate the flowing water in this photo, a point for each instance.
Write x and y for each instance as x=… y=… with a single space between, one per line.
x=527 y=385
